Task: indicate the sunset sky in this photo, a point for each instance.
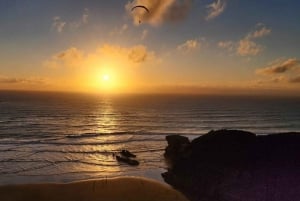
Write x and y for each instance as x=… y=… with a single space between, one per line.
x=185 y=46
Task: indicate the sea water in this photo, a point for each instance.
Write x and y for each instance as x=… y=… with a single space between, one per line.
x=65 y=137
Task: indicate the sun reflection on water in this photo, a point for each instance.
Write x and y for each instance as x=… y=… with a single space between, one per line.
x=106 y=118
x=106 y=121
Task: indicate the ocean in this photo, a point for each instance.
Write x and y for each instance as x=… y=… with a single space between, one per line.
x=65 y=137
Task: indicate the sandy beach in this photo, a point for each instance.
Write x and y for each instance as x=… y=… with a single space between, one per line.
x=116 y=189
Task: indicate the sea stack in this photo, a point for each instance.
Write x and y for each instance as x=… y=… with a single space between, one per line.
x=235 y=165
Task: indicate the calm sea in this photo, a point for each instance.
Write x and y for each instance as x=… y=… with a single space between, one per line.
x=61 y=137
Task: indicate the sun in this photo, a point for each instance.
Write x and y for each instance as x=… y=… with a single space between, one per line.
x=105 y=77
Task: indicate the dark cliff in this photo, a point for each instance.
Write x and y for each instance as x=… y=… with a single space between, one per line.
x=230 y=165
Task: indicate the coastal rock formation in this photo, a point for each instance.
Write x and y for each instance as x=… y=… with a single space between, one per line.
x=231 y=165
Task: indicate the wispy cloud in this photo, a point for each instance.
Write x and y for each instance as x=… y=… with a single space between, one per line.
x=85 y=16
x=160 y=11
x=84 y=19
x=261 y=32
x=71 y=57
x=76 y=58
x=215 y=9
x=189 y=45
x=144 y=34
x=248 y=45
x=58 y=24
x=272 y=80
x=120 y=30
x=136 y=54
x=229 y=45
x=17 y=80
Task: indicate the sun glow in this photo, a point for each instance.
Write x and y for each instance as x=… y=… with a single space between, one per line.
x=105 y=77
x=108 y=76
x=106 y=81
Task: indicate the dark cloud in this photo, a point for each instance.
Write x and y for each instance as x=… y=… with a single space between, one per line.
x=12 y=80
x=279 y=67
x=295 y=79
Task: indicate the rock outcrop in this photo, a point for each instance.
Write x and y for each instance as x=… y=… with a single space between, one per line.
x=230 y=165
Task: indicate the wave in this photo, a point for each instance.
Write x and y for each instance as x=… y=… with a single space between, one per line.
x=42 y=136
x=79 y=143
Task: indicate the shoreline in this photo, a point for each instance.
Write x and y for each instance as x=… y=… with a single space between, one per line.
x=115 y=189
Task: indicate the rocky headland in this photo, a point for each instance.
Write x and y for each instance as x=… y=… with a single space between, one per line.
x=232 y=165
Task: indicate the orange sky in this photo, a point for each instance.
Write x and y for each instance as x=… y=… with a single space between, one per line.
x=189 y=47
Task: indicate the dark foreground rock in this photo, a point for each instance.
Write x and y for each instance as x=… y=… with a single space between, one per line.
x=229 y=165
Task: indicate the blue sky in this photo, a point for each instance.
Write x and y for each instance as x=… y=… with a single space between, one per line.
x=187 y=44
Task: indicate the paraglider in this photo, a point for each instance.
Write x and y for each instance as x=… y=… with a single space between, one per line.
x=140 y=6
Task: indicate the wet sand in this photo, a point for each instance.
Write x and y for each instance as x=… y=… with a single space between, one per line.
x=117 y=189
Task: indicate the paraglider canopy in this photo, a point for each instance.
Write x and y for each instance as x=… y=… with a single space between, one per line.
x=144 y=7
x=140 y=6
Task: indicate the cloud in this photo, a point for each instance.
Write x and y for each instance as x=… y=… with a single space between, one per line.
x=119 y=31
x=71 y=57
x=279 y=67
x=76 y=58
x=229 y=45
x=263 y=31
x=138 y=54
x=85 y=16
x=84 y=19
x=58 y=24
x=14 y=80
x=278 y=79
x=215 y=9
x=188 y=46
x=124 y=28
x=295 y=79
x=281 y=70
x=144 y=34
x=274 y=80
x=247 y=46
x=160 y=11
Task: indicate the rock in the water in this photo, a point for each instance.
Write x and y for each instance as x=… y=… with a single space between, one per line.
x=230 y=165
x=127 y=154
x=176 y=149
x=127 y=160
